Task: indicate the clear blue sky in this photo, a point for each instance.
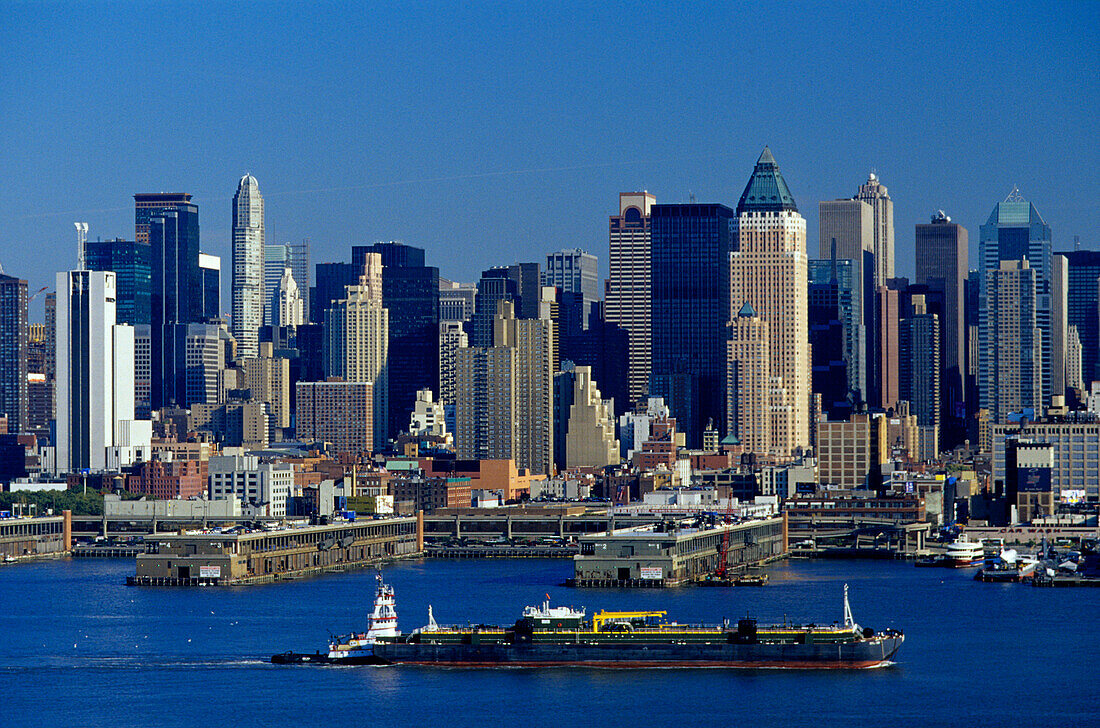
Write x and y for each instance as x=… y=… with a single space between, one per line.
x=495 y=133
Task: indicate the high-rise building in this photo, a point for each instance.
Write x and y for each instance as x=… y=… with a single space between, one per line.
x=768 y=271
x=485 y=403
x=628 y=283
x=452 y=337
x=205 y=356
x=836 y=293
x=942 y=255
x=278 y=258
x=248 y=265
x=519 y=283
x=504 y=394
x=131 y=262
x=1083 y=307
x=148 y=205
x=1059 y=323
x=410 y=292
x=1074 y=356
x=210 y=268
x=1011 y=382
x=336 y=411
x=847 y=232
x=690 y=248
x=332 y=280
x=177 y=296
x=1015 y=231
x=573 y=273
x=357 y=341
x=590 y=438
x=40 y=404
x=95 y=372
x=888 y=315
x=267 y=378
x=828 y=339
x=286 y=302
x=456 y=300
x=875 y=194
x=920 y=363
x=13 y=352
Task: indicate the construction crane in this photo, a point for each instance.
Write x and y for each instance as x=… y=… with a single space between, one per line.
x=36 y=293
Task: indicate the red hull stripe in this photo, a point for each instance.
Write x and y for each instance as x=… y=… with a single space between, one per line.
x=633 y=664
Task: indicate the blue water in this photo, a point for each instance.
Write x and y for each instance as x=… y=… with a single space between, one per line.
x=77 y=647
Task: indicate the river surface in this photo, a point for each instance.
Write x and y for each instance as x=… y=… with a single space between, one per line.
x=78 y=648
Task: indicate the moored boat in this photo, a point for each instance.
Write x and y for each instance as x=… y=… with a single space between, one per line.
x=964 y=552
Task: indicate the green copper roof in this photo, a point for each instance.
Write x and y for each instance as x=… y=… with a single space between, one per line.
x=747 y=311
x=766 y=191
x=1015 y=211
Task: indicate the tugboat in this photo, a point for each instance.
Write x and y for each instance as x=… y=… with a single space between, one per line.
x=561 y=636
x=356 y=648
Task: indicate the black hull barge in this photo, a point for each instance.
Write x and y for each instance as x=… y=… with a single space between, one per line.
x=560 y=636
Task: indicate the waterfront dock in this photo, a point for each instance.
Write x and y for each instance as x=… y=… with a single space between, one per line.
x=237 y=557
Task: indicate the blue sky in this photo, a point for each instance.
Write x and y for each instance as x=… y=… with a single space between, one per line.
x=494 y=133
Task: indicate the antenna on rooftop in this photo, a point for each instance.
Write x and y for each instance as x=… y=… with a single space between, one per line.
x=81 y=238
x=1076 y=244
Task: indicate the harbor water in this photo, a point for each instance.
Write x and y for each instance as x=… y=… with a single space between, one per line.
x=81 y=649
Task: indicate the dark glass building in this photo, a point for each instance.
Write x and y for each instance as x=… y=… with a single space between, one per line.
x=210 y=268
x=332 y=282
x=410 y=291
x=519 y=283
x=829 y=321
x=1083 y=308
x=13 y=352
x=177 y=299
x=131 y=262
x=689 y=269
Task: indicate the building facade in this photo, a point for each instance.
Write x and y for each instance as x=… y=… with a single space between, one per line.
x=690 y=249
x=574 y=273
x=248 y=265
x=338 y=412
x=1011 y=380
x=628 y=284
x=131 y=262
x=590 y=440
x=13 y=352
x=357 y=342
x=768 y=272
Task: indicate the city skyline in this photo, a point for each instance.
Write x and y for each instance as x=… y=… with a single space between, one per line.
x=506 y=130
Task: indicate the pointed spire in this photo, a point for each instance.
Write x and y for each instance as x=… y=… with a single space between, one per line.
x=766 y=191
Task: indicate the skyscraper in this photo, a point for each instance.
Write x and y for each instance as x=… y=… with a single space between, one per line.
x=410 y=292
x=177 y=297
x=875 y=194
x=277 y=258
x=689 y=308
x=836 y=293
x=95 y=372
x=1011 y=382
x=573 y=273
x=356 y=345
x=847 y=232
x=768 y=271
x=148 y=205
x=1015 y=231
x=13 y=352
x=520 y=283
x=210 y=269
x=504 y=394
x=1083 y=307
x=131 y=262
x=286 y=302
x=942 y=255
x=919 y=363
x=332 y=280
x=456 y=300
x=248 y=266
x=628 y=283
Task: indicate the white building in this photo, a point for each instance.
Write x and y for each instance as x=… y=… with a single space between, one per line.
x=427 y=417
x=248 y=265
x=634 y=427
x=95 y=377
x=286 y=302
x=262 y=488
x=1076 y=464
